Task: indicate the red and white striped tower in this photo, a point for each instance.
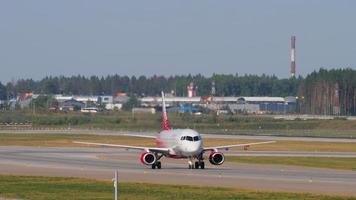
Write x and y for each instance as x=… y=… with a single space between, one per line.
x=292 y=57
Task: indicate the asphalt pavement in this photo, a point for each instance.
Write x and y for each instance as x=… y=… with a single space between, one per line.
x=100 y=163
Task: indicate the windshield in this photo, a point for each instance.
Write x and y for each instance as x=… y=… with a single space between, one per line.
x=190 y=138
x=196 y=138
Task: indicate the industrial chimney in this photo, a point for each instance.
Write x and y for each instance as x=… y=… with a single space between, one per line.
x=292 y=57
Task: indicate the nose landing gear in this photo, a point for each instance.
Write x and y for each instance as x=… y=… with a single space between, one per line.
x=198 y=164
x=190 y=163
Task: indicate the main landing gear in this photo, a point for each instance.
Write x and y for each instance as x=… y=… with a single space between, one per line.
x=157 y=164
x=200 y=164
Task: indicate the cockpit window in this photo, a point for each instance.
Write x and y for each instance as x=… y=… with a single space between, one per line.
x=189 y=138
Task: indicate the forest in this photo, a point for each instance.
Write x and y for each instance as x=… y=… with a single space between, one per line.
x=325 y=92
x=226 y=85
x=329 y=92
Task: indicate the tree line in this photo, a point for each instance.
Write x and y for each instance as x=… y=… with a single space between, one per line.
x=3 y=92
x=329 y=92
x=226 y=85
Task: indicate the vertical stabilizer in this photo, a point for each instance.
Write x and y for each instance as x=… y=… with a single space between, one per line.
x=165 y=121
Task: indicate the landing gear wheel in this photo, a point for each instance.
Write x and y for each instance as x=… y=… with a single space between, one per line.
x=197 y=165
x=202 y=165
x=159 y=165
x=190 y=162
x=153 y=166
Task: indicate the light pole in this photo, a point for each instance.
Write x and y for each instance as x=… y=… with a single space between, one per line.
x=116 y=186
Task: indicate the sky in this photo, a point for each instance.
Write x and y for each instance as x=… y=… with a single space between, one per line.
x=41 y=38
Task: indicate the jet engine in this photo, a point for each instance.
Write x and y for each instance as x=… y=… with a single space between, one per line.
x=216 y=158
x=148 y=158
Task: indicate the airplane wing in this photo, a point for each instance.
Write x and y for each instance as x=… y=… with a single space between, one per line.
x=226 y=147
x=136 y=135
x=150 y=149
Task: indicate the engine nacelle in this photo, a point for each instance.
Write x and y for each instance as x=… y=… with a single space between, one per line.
x=216 y=158
x=148 y=158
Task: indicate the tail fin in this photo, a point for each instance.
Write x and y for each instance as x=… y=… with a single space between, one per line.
x=165 y=121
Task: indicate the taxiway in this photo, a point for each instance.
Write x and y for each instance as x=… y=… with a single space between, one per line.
x=100 y=163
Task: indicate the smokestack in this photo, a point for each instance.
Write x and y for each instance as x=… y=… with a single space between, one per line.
x=292 y=57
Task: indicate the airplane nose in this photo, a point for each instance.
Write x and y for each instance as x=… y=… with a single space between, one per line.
x=192 y=149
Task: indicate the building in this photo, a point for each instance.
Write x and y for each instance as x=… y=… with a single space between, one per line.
x=170 y=101
x=258 y=105
x=245 y=108
x=87 y=99
x=70 y=105
x=183 y=109
x=90 y=110
x=3 y=104
x=106 y=99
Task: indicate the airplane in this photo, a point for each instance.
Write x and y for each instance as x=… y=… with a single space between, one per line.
x=177 y=144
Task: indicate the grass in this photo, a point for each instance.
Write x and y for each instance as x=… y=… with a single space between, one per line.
x=48 y=188
x=321 y=162
x=328 y=133
x=206 y=123
x=65 y=140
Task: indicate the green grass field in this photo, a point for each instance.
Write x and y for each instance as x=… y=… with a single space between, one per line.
x=54 y=188
x=65 y=140
x=321 y=162
x=206 y=123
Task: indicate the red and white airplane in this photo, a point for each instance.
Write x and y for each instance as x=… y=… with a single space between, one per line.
x=178 y=144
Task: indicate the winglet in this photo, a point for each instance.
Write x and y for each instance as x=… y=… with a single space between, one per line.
x=165 y=121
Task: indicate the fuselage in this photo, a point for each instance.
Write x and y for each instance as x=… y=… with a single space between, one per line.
x=183 y=143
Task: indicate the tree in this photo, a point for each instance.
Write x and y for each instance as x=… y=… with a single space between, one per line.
x=3 y=92
x=131 y=103
x=226 y=85
x=329 y=92
x=43 y=102
x=50 y=86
